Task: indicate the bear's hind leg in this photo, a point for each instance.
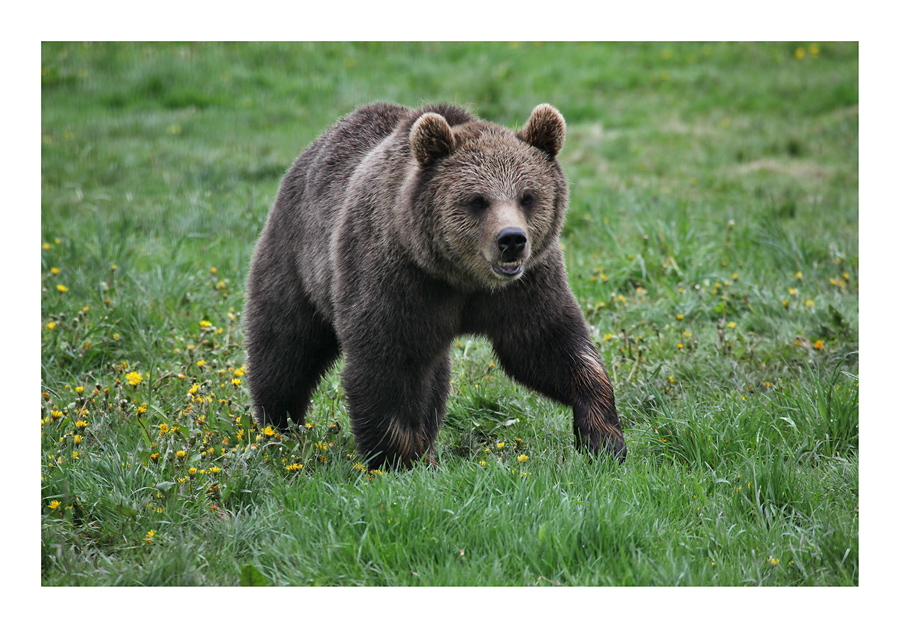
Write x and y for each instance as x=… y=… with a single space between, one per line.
x=288 y=351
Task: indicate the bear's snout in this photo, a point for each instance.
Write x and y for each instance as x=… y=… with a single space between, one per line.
x=512 y=244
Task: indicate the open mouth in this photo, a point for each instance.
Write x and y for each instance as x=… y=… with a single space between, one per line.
x=508 y=269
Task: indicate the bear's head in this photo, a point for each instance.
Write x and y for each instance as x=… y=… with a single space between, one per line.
x=488 y=203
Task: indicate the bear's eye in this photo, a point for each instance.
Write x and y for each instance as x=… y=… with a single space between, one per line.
x=477 y=202
x=527 y=199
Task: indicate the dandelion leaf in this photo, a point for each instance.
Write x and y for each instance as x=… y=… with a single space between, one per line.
x=252 y=577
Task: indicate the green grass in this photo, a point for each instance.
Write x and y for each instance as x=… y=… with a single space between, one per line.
x=712 y=241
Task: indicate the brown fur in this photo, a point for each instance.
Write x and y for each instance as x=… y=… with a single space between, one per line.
x=398 y=230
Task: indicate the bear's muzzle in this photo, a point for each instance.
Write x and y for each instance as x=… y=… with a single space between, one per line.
x=511 y=243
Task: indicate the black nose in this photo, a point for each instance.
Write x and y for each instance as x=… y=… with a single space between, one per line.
x=511 y=242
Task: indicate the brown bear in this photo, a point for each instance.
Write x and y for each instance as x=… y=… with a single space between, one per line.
x=396 y=231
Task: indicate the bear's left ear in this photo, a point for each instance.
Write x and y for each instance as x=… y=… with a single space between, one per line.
x=545 y=129
x=431 y=138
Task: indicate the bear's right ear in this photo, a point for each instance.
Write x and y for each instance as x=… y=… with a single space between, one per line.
x=431 y=138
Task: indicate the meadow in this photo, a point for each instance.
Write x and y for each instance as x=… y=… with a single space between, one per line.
x=711 y=239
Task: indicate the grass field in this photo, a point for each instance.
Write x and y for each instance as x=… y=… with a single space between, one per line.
x=712 y=240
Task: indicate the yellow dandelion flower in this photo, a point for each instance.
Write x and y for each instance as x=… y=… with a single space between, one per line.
x=149 y=537
x=522 y=458
x=192 y=471
x=793 y=292
x=61 y=288
x=798 y=275
x=134 y=378
x=201 y=363
x=45 y=246
x=269 y=431
x=54 y=271
x=55 y=504
x=180 y=453
x=163 y=428
x=809 y=303
x=820 y=345
x=732 y=325
x=607 y=336
x=679 y=317
x=51 y=325
x=501 y=445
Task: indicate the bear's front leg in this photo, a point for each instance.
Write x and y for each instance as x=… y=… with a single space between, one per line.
x=565 y=367
x=543 y=342
x=396 y=405
x=595 y=420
